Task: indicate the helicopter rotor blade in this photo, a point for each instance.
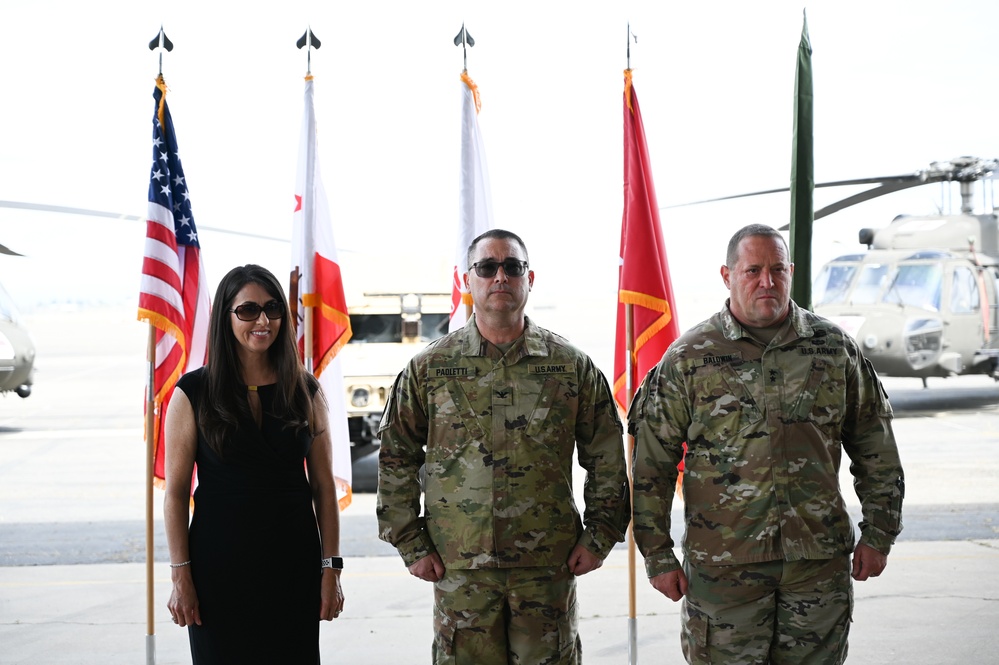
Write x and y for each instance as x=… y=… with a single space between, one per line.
x=959 y=169
x=8 y=251
x=42 y=207
x=886 y=188
x=911 y=179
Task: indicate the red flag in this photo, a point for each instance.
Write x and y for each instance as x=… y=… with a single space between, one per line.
x=317 y=293
x=173 y=295
x=643 y=277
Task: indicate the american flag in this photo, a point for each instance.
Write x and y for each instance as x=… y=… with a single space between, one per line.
x=173 y=295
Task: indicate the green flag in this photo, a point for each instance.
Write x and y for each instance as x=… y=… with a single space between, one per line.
x=802 y=174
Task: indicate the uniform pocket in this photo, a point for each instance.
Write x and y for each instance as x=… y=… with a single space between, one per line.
x=695 y=635
x=724 y=409
x=451 y=421
x=539 y=416
x=809 y=393
x=569 y=647
x=444 y=631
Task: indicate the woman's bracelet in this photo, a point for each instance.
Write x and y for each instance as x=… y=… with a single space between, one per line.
x=181 y=565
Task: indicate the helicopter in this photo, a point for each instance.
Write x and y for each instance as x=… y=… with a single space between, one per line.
x=17 y=351
x=923 y=300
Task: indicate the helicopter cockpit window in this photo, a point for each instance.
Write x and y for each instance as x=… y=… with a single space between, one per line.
x=964 y=293
x=833 y=283
x=869 y=284
x=916 y=285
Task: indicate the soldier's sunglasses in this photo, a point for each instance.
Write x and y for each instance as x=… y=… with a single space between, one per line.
x=250 y=311
x=512 y=268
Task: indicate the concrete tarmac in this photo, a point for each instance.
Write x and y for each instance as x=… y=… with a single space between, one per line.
x=936 y=603
x=73 y=590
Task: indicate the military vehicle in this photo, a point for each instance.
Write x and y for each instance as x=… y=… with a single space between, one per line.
x=388 y=328
x=17 y=351
x=923 y=301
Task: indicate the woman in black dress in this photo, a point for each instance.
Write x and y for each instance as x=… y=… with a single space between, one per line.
x=257 y=568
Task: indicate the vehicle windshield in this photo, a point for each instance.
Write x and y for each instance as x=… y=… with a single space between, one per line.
x=381 y=328
x=872 y=278
x=833 y=283
x=916 y=285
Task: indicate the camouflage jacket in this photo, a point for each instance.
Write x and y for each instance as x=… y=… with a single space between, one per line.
x=765 y=429
x=497 y=432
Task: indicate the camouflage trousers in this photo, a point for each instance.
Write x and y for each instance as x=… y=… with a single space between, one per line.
x=506 y=616
x=793 y=612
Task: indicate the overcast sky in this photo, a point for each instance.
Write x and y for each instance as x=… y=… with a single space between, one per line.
x=897 y=86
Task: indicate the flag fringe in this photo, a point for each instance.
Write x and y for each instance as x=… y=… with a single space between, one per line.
x=343 y=488
x=475 y=90
x=627 y=90
x=643 y=300
x=652 y=331
x=161 y=110
x=165 y=325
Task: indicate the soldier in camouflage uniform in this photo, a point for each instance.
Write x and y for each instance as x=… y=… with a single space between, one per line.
x=767 y=397
x=495 y=411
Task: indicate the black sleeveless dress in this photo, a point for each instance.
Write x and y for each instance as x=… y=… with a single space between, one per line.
x=254 y=545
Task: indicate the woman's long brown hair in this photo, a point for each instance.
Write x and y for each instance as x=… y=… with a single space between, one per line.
x=223 y=401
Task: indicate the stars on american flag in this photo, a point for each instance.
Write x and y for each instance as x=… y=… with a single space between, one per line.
x=167 y=184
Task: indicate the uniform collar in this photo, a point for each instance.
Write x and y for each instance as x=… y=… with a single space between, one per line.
x=531 y=343
x=733 y=330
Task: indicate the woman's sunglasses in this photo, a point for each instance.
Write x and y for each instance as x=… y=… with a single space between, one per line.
x=250 y=311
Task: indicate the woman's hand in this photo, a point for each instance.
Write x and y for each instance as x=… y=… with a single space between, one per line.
x=183 y=604
x=331 y=595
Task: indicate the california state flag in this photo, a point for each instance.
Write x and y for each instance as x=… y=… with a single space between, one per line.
x=475 y=208
x=317 y=293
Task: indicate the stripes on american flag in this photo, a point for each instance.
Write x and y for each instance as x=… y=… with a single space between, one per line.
x=173 y=295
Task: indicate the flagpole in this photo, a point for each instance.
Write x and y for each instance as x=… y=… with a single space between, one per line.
x=802 y=172
x=163 y=43
x=474 y=199
x=308 y=290
x=307 y=353
x=150 y=427
x=629 y=391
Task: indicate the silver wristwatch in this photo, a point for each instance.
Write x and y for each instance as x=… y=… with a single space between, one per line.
x=334 y=562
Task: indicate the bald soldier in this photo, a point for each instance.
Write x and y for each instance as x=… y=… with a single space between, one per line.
x=767 y=397
x=495 y=411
